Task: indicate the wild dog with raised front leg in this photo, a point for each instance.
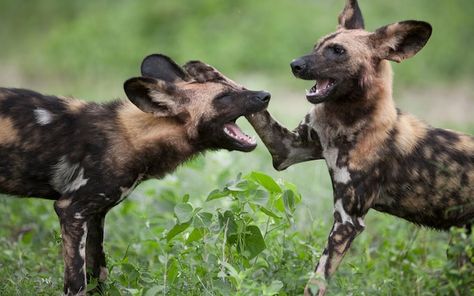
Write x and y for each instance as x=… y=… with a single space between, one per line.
x=88 y=157
x=378 y=157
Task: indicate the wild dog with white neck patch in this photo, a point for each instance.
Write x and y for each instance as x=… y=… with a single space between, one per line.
x=378 y=157
x=88 y=157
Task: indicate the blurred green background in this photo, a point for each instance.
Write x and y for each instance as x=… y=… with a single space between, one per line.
x=80 y=46
x=87 y=49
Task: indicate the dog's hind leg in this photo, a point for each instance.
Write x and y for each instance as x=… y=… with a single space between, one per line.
x=74 y=234
x=345 y=228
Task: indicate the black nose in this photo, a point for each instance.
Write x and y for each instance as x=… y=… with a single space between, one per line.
x=298 y=66
x=264 y=96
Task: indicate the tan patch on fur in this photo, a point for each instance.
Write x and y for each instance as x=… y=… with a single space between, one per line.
x=466 y=143
x=68 y=247
x=339 y=251
x=370 y=141
x=143 y=131
x=200 y=107
x=74 y=105
x=413 y=203
x=357 y=45
x=410 y=132
x=447 y=184
x=8 y=133
x=63 y=203
x=338 y=238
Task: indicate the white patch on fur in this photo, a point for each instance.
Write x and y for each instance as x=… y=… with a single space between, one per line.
x=340 y=175
x=330 y=153
x=78 y=216
x=67 y=177
x=334 y=229
x=43 y=116
x=340 y=209
x=361 y=221
x=322 y=264
x=82 y=249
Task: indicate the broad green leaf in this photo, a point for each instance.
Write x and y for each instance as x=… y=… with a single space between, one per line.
x=253 y=242
x=274 y=288
x=242 y=185
x=177 y=229
x=195 y=235
x=269 y=213
x=279 y=204
x=217 y=193
x=202 y=220
x=293 y=188
x=266 y=181
x=259 y=197
x=184 y=212
x=227 y=222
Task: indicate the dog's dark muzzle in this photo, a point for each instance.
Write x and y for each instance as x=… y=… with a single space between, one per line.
x=301 y=68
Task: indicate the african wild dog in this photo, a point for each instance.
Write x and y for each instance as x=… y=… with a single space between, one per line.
x=88 y=157
x=378 y=156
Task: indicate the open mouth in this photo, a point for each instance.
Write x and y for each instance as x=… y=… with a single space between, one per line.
x=241 y=140
x=320 y=91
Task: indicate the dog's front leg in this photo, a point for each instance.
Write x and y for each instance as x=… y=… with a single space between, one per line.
x=345 y=228
x=74 y=234
x=95 y=256
x=286 y=147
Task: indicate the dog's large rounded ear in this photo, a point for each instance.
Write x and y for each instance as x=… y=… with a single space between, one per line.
x=154 y=96
x=399 y=41
x=162 y=67
x=351 y=16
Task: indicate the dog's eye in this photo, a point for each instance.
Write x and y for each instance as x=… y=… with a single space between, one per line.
x=339 y=50
x=223 y=95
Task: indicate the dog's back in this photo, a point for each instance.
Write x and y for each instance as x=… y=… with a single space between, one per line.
x=426 y=174
x=35 y=130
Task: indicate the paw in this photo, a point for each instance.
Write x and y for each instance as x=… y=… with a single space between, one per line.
x=315 y=288
x=313 y=291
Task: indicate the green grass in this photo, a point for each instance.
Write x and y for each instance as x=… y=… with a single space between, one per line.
x=208 y=257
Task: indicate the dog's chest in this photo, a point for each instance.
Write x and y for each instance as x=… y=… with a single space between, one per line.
x=335 y=146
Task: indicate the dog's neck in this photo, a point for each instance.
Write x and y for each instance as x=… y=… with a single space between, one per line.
x=376 y=110
x=152 y=141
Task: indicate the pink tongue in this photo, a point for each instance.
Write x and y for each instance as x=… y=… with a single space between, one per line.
x=322 y=84
x=235 y=129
